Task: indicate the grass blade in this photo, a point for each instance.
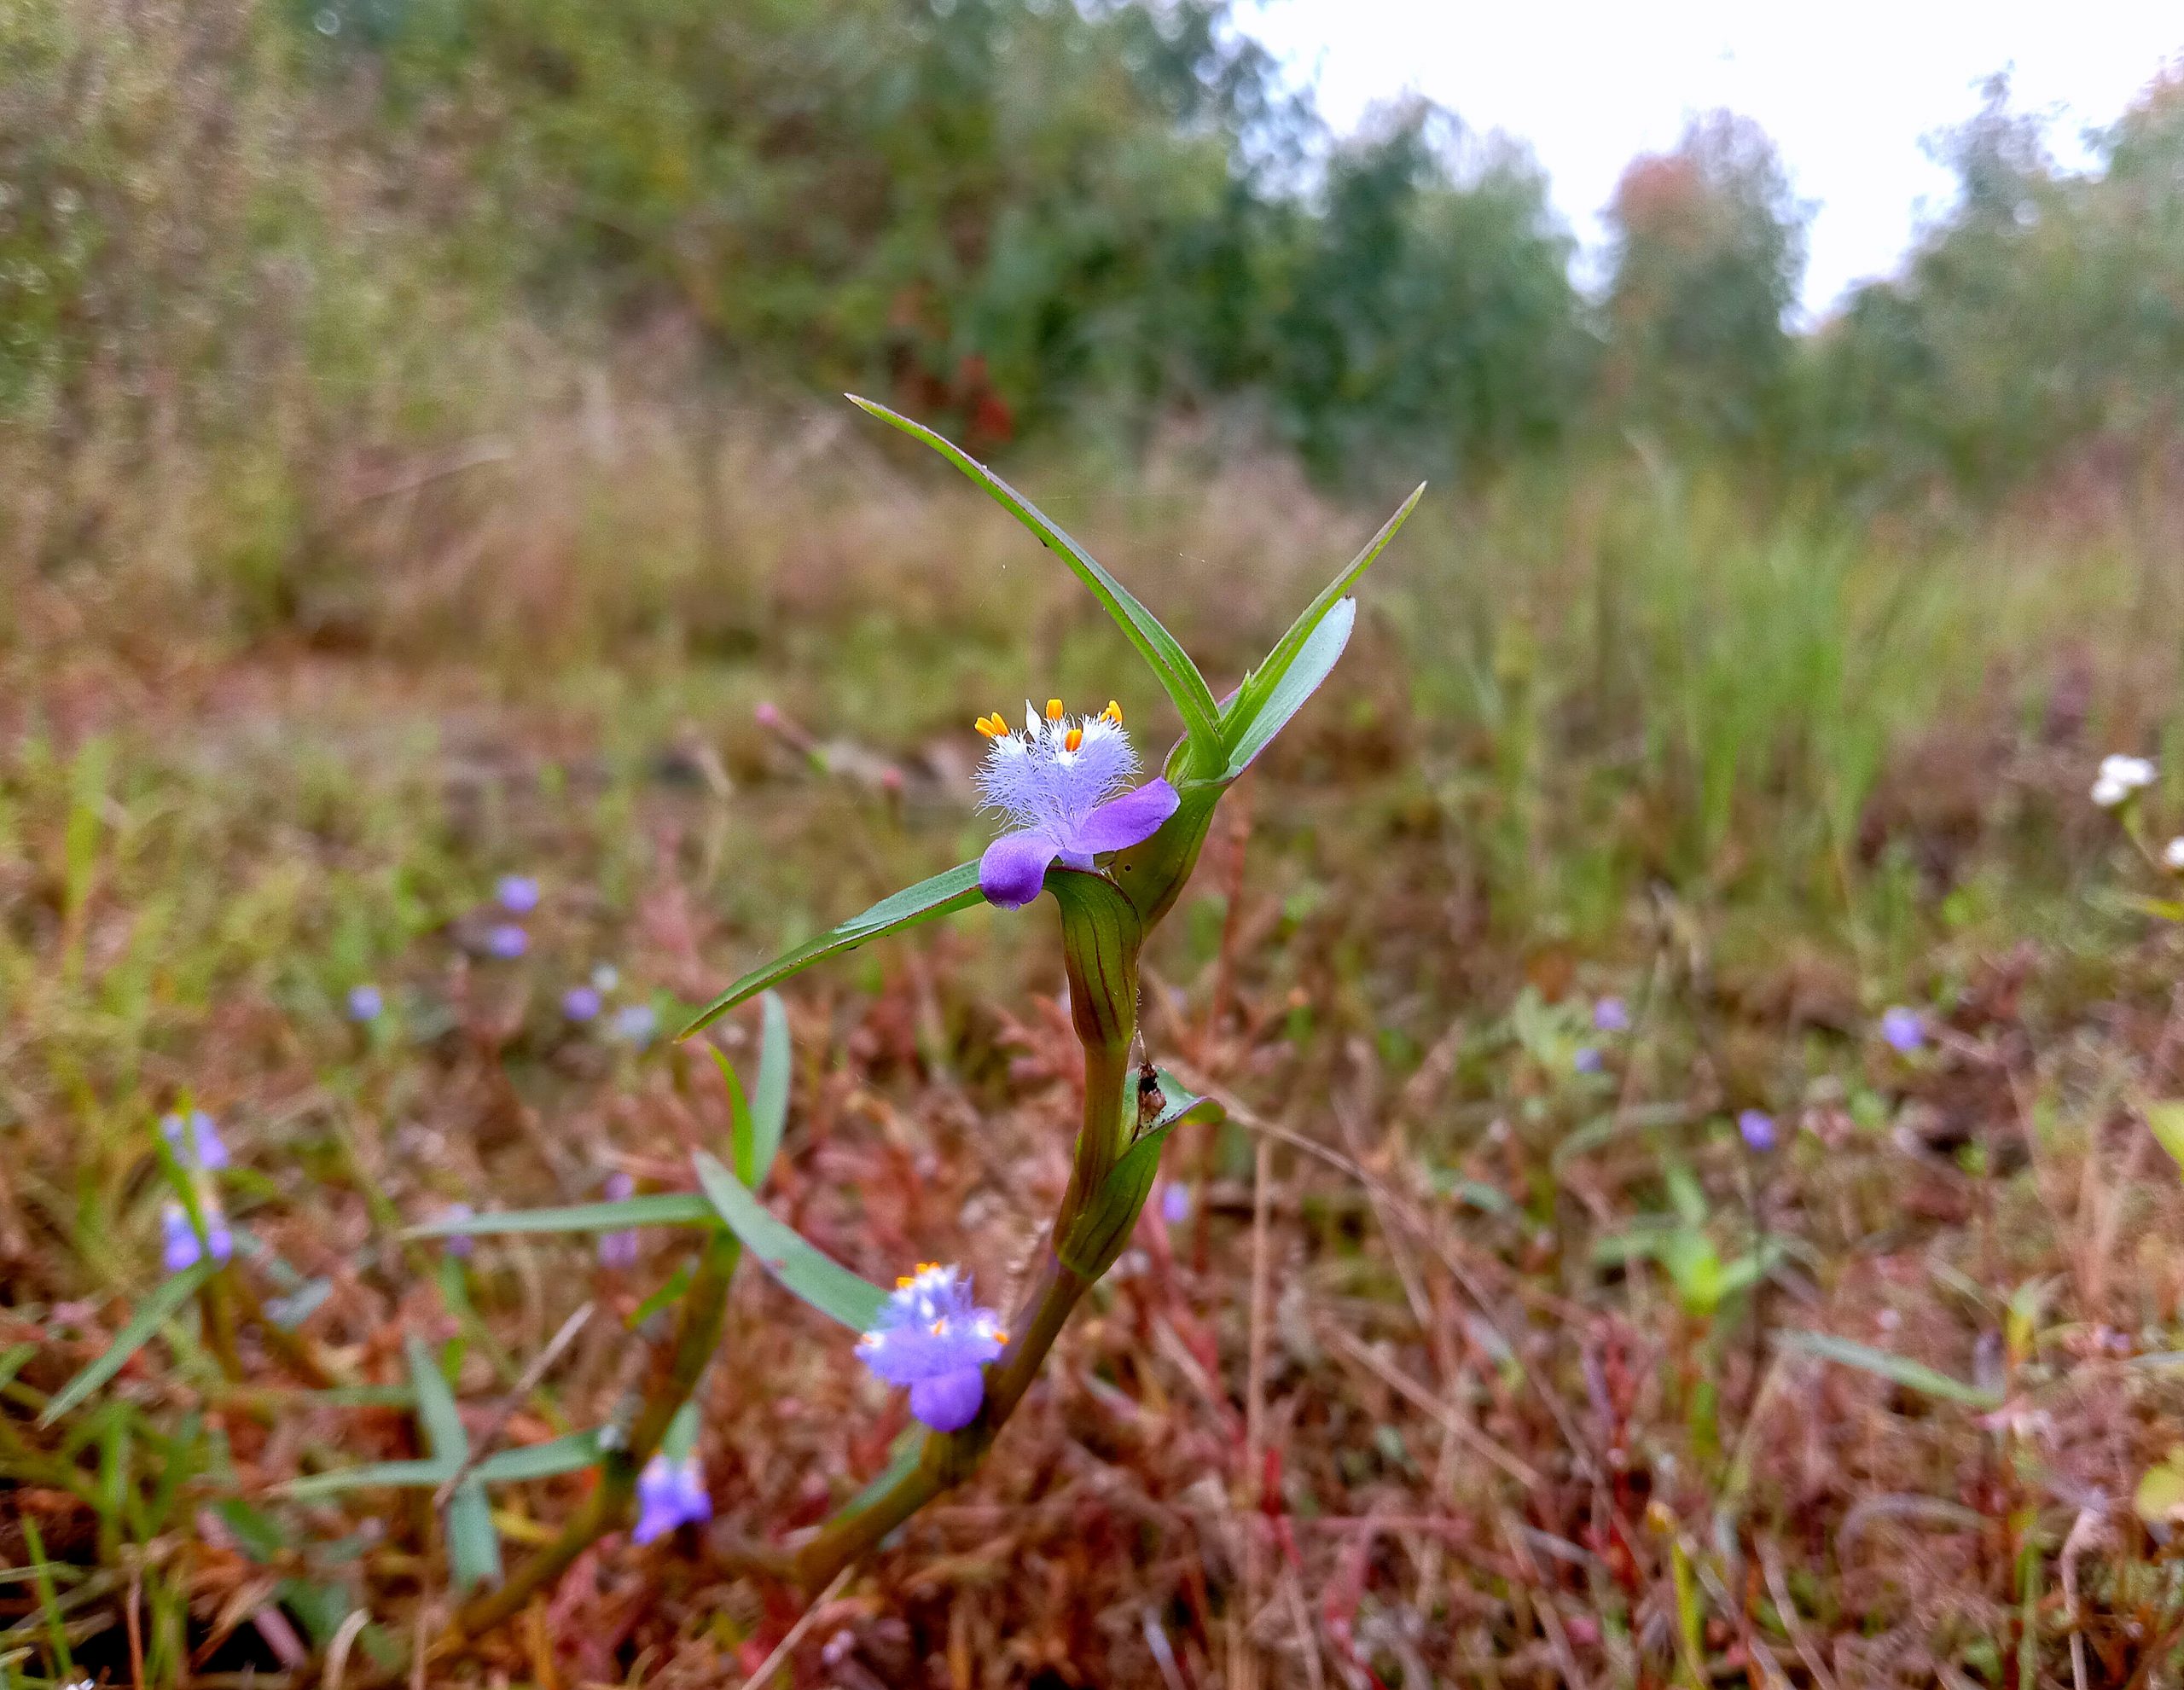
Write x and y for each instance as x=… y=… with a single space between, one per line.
x=571 y=1453
x=1178 y=676
x=390 y=1475
x=1299 y=680
x=1252 y=695
x=813 y=1275
x=436 y=1410
x=474 y=1548
x=654 y=1209
x=943 y=895
x=1897 y=1370
x=166 y=1299
x=770 y=1101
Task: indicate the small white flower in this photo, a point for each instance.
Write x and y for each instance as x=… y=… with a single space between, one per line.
x=2120 y=778
x=2172 y=855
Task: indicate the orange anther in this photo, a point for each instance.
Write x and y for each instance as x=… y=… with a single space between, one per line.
x=991 y=726
x=1053 y=710
x=1073 y=738
x=1112 y=713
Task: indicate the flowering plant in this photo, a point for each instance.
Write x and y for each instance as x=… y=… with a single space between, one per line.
x=1114 y=850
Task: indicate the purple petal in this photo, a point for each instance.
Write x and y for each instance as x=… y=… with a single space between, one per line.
x=949 y=1402
x=1014 y=868
x=1129 y=820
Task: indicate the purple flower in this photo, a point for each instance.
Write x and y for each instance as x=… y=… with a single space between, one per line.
x=1609 y=1016
x=580 y=1003
x=1587 y=1061
x=179 y=1244
x=932 y=1337
x=507 y=941
x=637 y=1023
x=1903 y=1029
x=618 y=1249
x=518 y=894
x=195 y=1139
x=1757 y=1127
x=1175 y=1203
x=669 y=1494
x=458 y=1243
x=1064 y=785
x=365 y=1003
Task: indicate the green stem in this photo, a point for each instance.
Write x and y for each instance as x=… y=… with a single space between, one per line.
x=1100 y=936
x=703 y=1309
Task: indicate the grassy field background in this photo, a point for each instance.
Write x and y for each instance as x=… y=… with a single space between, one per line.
x=411 y=479
x=1399 y=1395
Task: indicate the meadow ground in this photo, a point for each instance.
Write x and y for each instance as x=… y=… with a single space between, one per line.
x=1479 y=1345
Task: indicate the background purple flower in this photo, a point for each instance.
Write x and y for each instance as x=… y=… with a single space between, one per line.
x=1903 y=1029
x=1175 y=1203
x=1610 y=1016
x=518 y=894
x=195 y=1139
x=458 y=1243
x=617 y=1249
x=179 y=1244
x=1587 y=1061
x=1757 y=1128
x=580 y=1003
x=637 y=1023
x=507 y=941
x=365 y=1003
x=669 y=1494
x=931 y=1335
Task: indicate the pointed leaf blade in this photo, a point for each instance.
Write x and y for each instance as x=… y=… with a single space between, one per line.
x=372 y=1475
x=167 y=1296
x=1104 y=1226
x=770 y=1099
x=943 y=895
x=1897 y=1370
x=571 y=1454
x=654 y=1209
x=813 y=1275
x=474 y=1548
x=1299 y=680
x=436 y=1410
x=1171 y=664
x=1251 y=697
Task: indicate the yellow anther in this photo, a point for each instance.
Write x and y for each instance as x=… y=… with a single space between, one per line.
x=993 y=726
x=1053 y=710
x=939 y=1328
x=1112 y=713
x=928 y=1267
x=1001 y=1338
x=905 y=1282
x=1073 y=738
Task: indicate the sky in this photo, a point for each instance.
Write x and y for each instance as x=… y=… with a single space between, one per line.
x=1848 y=90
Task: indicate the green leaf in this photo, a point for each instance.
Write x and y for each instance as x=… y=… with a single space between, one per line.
x=166 y=1298
x=654 y=1209
x=2167 y=1120
x=770 y=1099
x=941 y=895
x=1299 y=680
x=474 y=1548
x=680 y=1440
x=1897 y=1369
x=1185 y=688
x=1251 y=697
x=571 y=1454
x=436 y=1410
x=372 y=1475
x=1104 y=1226
x=743 y=1135
x=813 y=1275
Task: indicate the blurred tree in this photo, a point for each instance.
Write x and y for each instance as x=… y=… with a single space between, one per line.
x=1431 y=322
x=1708 y=253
